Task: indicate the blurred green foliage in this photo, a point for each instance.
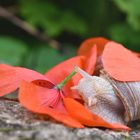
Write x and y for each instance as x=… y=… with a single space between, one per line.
x=68 y=22
x=132 y=10
x=50 y=18
x=128 y=30
x=12 y=50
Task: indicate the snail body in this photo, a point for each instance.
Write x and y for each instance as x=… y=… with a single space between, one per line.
x=93 y=85
x=114 y=101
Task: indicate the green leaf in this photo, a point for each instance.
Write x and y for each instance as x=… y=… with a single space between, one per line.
x=11 y=50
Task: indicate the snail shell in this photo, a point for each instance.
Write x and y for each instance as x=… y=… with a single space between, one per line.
x=114 y=101
x=129 y=94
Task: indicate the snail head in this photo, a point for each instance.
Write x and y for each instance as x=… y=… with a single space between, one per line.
x=90 y=87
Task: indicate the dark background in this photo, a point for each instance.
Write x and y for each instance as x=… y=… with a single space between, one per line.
x=41 y=33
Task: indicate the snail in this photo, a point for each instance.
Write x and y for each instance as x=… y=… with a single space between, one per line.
x=113 y=100
x=100 y=97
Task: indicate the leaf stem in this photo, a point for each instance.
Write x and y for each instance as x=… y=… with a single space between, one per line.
x=60 y=85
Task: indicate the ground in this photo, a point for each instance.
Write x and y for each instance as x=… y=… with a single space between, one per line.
x=16 y=123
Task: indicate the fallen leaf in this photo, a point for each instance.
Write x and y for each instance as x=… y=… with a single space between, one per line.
x=35 y=98
x=121 y=63
x=86 y=46
x=83 y=115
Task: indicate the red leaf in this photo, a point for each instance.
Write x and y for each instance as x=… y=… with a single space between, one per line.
x=35 y=99
x=10 y=77
x=91 y=60
x=87 y=45
x=80 y=113
x=121 y=63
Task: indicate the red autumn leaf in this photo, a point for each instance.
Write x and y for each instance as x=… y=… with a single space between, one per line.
x=121 y=63
x=37 y=99
x=10 y=77
x=80 y=113
x=86 y=46
x=89 y=66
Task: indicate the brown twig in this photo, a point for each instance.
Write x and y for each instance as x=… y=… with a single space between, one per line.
x=28 y=28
